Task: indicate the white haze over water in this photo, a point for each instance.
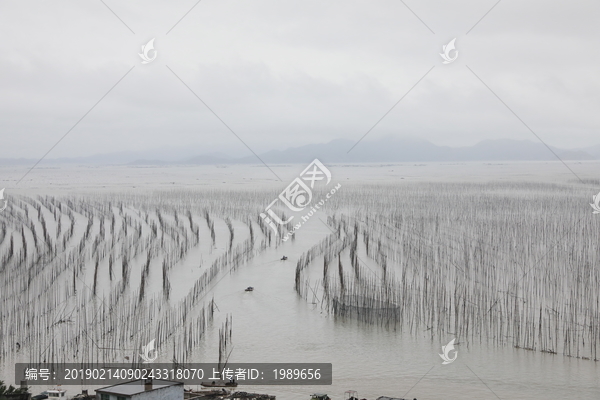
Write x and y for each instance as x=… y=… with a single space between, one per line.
x=66 y=179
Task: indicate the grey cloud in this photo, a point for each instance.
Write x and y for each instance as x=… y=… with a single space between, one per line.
x=287 y=74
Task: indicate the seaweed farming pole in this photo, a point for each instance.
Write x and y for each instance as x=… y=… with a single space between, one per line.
x=225 y=341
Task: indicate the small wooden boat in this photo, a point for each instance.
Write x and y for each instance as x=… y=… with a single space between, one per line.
x=249 y=289
x=222 y=384
x=251 y=396
x=320 y=396
x=206 y=394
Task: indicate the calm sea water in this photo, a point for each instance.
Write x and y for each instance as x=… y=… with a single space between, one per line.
x=272 y=324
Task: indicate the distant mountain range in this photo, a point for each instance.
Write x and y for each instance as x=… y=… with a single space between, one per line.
x=338 y=151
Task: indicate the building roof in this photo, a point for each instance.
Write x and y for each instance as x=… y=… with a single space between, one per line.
x=136 y=387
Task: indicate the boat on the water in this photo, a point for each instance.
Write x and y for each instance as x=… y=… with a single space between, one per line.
x=249 y=289
x=221 y=384
x=56 y=393
x=206 y=394
x=320 y=396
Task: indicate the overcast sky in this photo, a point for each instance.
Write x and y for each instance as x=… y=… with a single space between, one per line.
x=288 y=73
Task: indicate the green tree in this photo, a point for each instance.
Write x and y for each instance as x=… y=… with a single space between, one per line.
x=4 y=391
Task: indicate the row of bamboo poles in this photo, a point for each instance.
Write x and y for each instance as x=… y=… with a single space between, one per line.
x=66 y=265
x=462 y=262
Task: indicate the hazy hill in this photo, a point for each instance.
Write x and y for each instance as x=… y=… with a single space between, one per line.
x=339 y=150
